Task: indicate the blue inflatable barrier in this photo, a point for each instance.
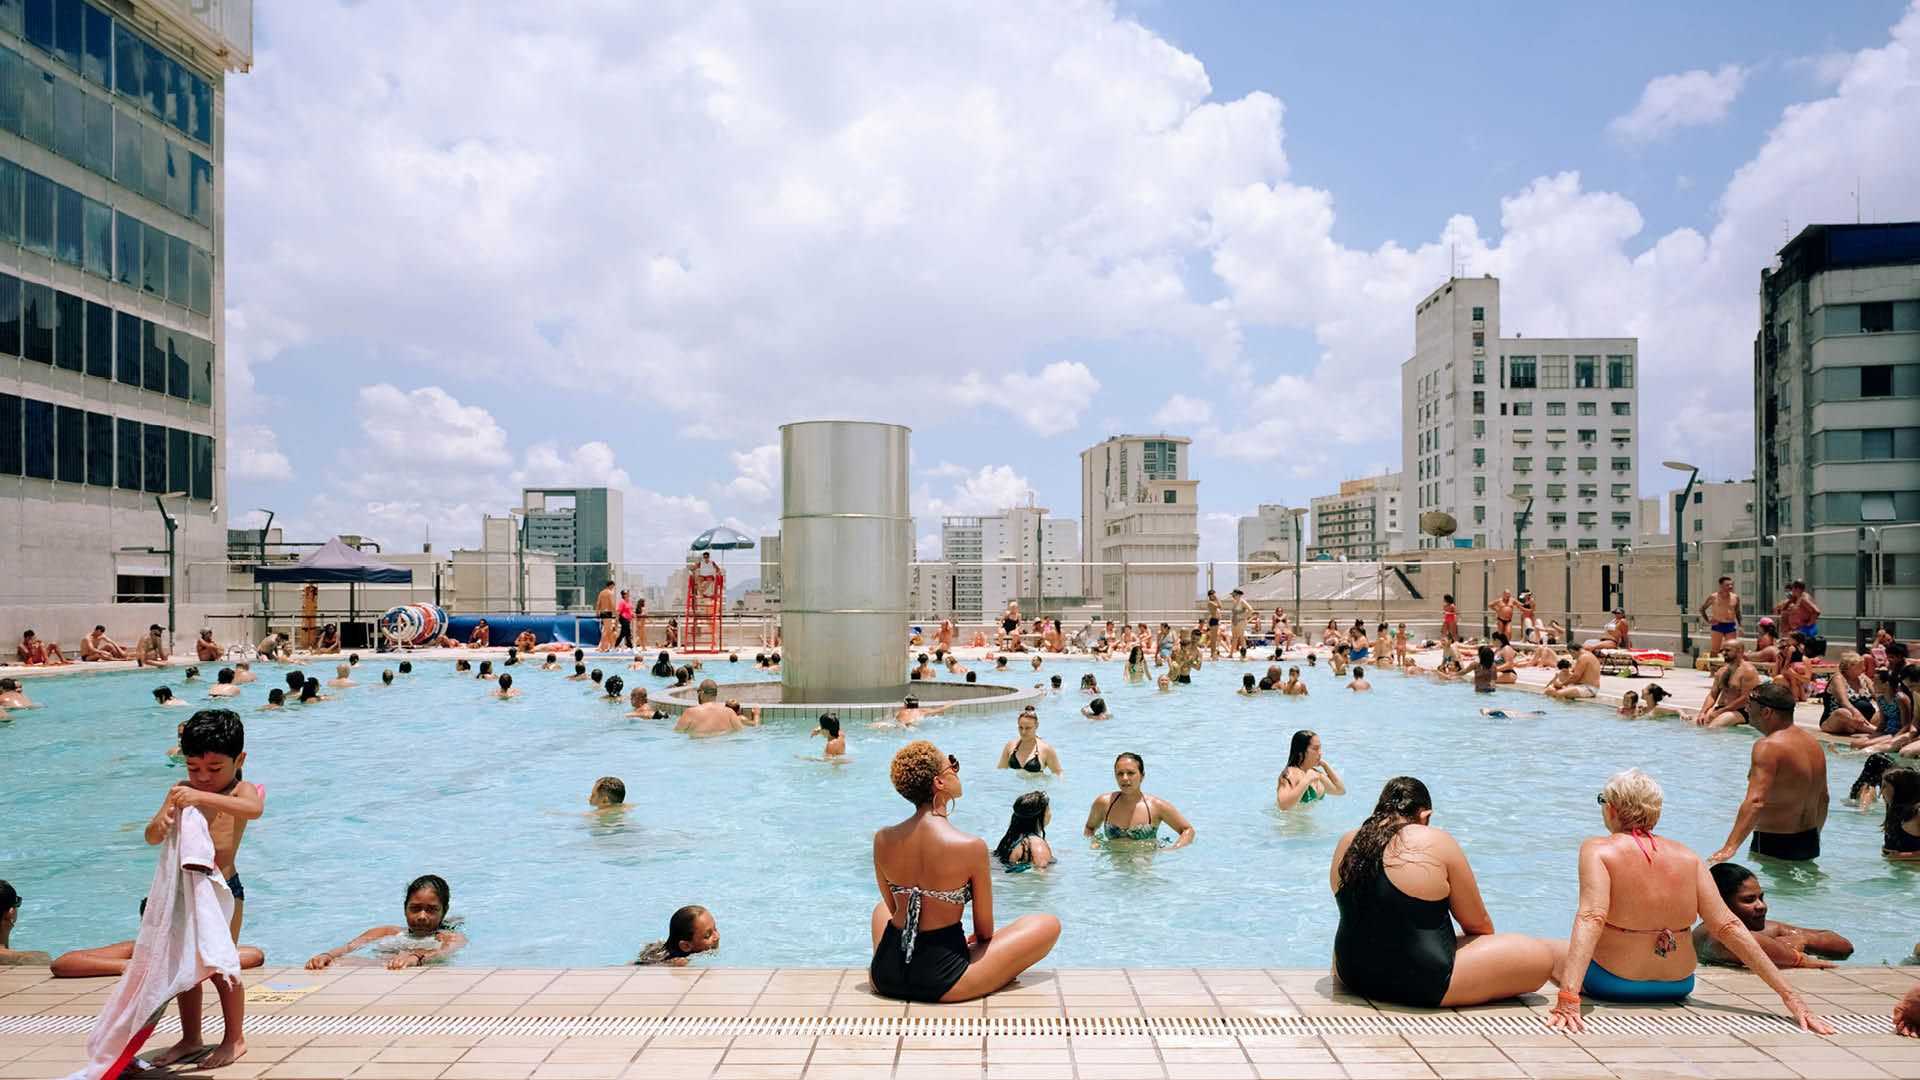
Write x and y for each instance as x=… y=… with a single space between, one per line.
x=502 y=629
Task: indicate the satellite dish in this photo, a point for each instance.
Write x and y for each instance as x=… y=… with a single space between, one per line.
x=1438 y=523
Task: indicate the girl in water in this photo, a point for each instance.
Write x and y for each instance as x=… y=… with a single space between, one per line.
x=1131 y=814
x=1025 y=843
x=690 y=931
x=1136 y=668
x=426 y=937
x=1308 y=777
x=830 y=727
x=1026 y=752
x=1096 y=710
x=1088 y=684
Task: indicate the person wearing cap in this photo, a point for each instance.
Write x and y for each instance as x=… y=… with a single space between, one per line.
x=1786 y=801
x=1239 y=611
x=150 y=651
x=1766 y=643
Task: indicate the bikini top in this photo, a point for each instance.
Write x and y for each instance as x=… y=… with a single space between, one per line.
x=1664 y=941
x=1033 y=763
x=1111 y=831
x=1311 y=793
x=913 y=893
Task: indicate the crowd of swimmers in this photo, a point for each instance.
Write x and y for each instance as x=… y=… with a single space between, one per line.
x=1413 y=926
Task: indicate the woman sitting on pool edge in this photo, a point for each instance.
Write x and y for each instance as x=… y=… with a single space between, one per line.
x=1307 y=777
x=425 y=938
x=1639 y=896
x=928 y=871
x=1024 y=845
x=1140 y=814
x=1026 y=751
x=1400 y=885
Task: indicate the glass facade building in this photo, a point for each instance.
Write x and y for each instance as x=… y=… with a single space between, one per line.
x=110 y=296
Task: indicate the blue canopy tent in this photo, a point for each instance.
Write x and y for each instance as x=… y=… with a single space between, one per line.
x=336 y=563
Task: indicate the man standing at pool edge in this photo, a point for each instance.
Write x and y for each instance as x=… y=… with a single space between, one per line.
x=1786 y=801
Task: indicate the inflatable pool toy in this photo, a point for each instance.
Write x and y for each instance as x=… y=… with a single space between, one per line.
x=414 y=624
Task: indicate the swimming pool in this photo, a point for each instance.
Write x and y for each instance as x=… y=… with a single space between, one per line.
x=431 y=776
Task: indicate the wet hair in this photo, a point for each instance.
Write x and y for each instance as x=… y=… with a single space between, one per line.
x=1871 y=773
x=9 y=899
x=1728 y=877
x=1656 y=693
x=1904 y=803
x=276 y=696
x=1029 y=819
x=440 y=891
x=1055 y=681
x=506 y=681
x=1297 y=752
x=162 y=694
x=1503 y=639
x=775 y=657
x=971 y=677
x=1247 y=682
x=213 y=731
x=1630 y=699
x=354 y=658
x=1138 y=761
x=915 y=768
x=1485 y=656
x=462 y=665
x=297 y=678
x=486 y=668
x=579 y=669
x=1097 y=707
x=1087 y=681
x=680 y=927
x=911 y=702
x=406 y=667
x=1400 y=803
x=830 y=723
x=225 y=676
x=1564 y=664
x=613 y=686
x=191 y=673
x=914 y=675
x=1359 y=672
x=581 y=654
x=923 y=658
x=614 y=788
x=386 y=676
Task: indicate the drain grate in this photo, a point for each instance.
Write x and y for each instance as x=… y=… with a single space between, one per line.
x=1652 y=1025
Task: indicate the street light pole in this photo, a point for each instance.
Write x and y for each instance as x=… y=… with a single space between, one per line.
x=266 y=588
x=1520 y=545
x=1680 y=547
x=172 y=526
x=1298 y=512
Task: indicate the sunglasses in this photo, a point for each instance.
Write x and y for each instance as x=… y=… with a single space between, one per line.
x=1601 y=798
x=953 y=763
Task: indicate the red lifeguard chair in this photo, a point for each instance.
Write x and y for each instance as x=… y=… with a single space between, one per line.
x=706 y=604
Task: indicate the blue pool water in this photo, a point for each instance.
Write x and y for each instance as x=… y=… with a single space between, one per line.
x=368 y=791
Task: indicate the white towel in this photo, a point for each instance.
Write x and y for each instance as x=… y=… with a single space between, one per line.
x=185 y=936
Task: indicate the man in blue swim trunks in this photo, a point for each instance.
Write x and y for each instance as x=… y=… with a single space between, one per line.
x=1786 y=801
x=1721 y=612
x=1798 y=611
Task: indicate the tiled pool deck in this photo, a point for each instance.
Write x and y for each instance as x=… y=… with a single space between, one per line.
x=480 y=1023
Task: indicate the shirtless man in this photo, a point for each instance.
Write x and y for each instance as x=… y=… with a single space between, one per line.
x=911 y=713
x=149 y=652
x=1786 y=801
x=98 y=646
x=1503 y=612
x=34 y=652
x=1239 y=611
x=943 y=638
x=709 y=717
x=1580 y=679
x=1721 y=612
x=205 y=649
x=1788 y=946
x=603 y=610
x=342 y=677
x=225 y=687
x=275 y=646
x=1726 y=703
x=1798 y=611
x=1213 y=625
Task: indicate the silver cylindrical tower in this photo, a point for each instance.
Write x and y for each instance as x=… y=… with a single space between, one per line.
x=846 y=535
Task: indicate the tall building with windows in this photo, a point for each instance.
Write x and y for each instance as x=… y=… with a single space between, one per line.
x=584 y=530
x=1139 y=506
x=111 y=286
x=1029 y=546
x=1493 y=425
x=1836 y=378
x=1361 y=521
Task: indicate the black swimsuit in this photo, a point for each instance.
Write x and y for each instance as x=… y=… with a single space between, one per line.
x=1391 y=946
x=1033 y=763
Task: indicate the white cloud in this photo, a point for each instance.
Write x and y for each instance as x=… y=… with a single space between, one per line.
x=1671 y=102
x=428 y=424
x=1183 y=411
x=758 y=472
x=1047 y=403
x=253 y=453
x=588 y=465
x=986 y=490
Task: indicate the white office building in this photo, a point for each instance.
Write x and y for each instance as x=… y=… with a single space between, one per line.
x=1140 y=522
x=112 y=355
x=1266 y=535
x=1016 y=554
x=1360 y=521
x=1493 y=427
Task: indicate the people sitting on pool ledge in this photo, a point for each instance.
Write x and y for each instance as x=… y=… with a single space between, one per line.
x=928 y=871
x=1632 y=936
x=1579 y=677
x=425 y=938
x=1139 y=814
x=1401 y=885
x=1786 y=945
x=1307 y=777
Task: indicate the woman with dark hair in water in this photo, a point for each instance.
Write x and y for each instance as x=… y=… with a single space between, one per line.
x=1400 y=885
x=1024 y=845
x=1307 y=777
x=1139 y=815
x=662 y=666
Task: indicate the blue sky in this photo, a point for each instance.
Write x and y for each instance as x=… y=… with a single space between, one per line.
x=469 y=248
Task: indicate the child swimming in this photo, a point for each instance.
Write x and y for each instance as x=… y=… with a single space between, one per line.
x=426 y=937
x=830 y=727
x=690 y=931
x=608 y=792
